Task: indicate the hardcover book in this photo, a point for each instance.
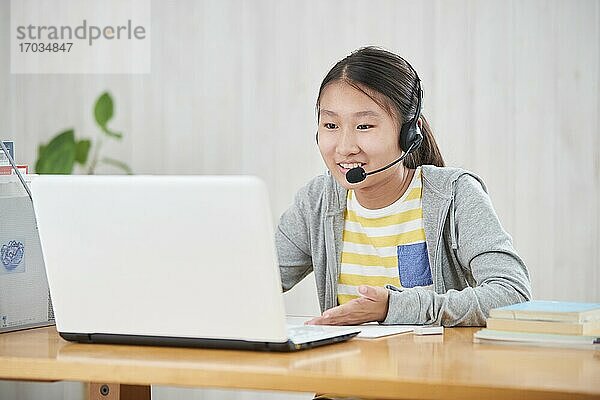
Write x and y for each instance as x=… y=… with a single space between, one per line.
x=543 y=310
x=489 y=336
x=561 y=328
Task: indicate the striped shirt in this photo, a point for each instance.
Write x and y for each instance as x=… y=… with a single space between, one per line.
x=384 y=246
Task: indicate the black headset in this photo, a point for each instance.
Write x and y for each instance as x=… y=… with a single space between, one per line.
x=410 y=133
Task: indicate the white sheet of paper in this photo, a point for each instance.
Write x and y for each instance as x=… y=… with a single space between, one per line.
x=368 y=331
x=372 y=330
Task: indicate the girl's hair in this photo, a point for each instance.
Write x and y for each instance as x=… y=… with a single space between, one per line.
x=389 y=80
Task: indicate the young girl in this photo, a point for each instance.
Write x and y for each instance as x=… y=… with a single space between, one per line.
x=391 y=234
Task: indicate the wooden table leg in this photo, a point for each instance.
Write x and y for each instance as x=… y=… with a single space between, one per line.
x=116 y=391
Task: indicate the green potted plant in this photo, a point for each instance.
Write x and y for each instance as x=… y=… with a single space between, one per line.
x=63 y=151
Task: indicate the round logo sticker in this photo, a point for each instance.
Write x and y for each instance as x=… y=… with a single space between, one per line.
x=12 y=254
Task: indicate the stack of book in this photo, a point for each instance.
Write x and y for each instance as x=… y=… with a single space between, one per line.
x=5 y=167
x=544 y=323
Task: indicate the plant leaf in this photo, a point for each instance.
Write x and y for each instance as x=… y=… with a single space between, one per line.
x=116 y=163
x=82 y=149
x=58 y=156
x=103 y=110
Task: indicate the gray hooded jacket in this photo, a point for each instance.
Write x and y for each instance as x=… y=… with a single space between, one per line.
x=474 y=266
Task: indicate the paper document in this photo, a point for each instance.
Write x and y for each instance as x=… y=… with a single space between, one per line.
x=372 y=330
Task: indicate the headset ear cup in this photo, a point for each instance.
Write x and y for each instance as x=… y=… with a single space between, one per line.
x=410 y=135
x=418 y=138
x=403 y=135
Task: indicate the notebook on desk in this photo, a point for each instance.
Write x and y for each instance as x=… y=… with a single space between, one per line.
x=166 y=260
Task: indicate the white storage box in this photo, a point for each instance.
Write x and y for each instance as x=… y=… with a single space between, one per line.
x=24 y=295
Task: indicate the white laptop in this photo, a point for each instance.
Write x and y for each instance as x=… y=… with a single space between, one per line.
x=166 y=260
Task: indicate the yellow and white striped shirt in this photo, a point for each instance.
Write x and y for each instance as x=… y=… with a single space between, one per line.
x=384 y=246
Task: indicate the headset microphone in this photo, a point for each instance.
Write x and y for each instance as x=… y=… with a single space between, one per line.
x=358 y=174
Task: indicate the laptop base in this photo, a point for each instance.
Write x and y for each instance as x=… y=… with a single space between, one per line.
x=231 y=344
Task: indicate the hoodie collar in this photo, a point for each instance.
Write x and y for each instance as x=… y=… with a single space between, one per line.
x=440 y=181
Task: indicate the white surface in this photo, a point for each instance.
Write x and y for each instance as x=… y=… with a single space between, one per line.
x=373 y=331
x=429 y=330
x=367 y=331
x=23 y=287
x=161 y=255
x=15 y=178
x=302 y=299
x=64 y=390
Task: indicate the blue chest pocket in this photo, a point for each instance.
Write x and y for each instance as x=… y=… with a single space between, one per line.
x=413 y=265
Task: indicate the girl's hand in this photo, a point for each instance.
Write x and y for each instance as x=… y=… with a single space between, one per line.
x=371 y=306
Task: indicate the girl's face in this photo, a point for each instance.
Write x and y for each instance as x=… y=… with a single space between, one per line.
x=354 y=129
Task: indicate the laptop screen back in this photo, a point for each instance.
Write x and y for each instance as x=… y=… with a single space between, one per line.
x=180 y=256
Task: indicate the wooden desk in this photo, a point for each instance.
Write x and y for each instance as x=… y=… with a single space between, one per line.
x=402 y=366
